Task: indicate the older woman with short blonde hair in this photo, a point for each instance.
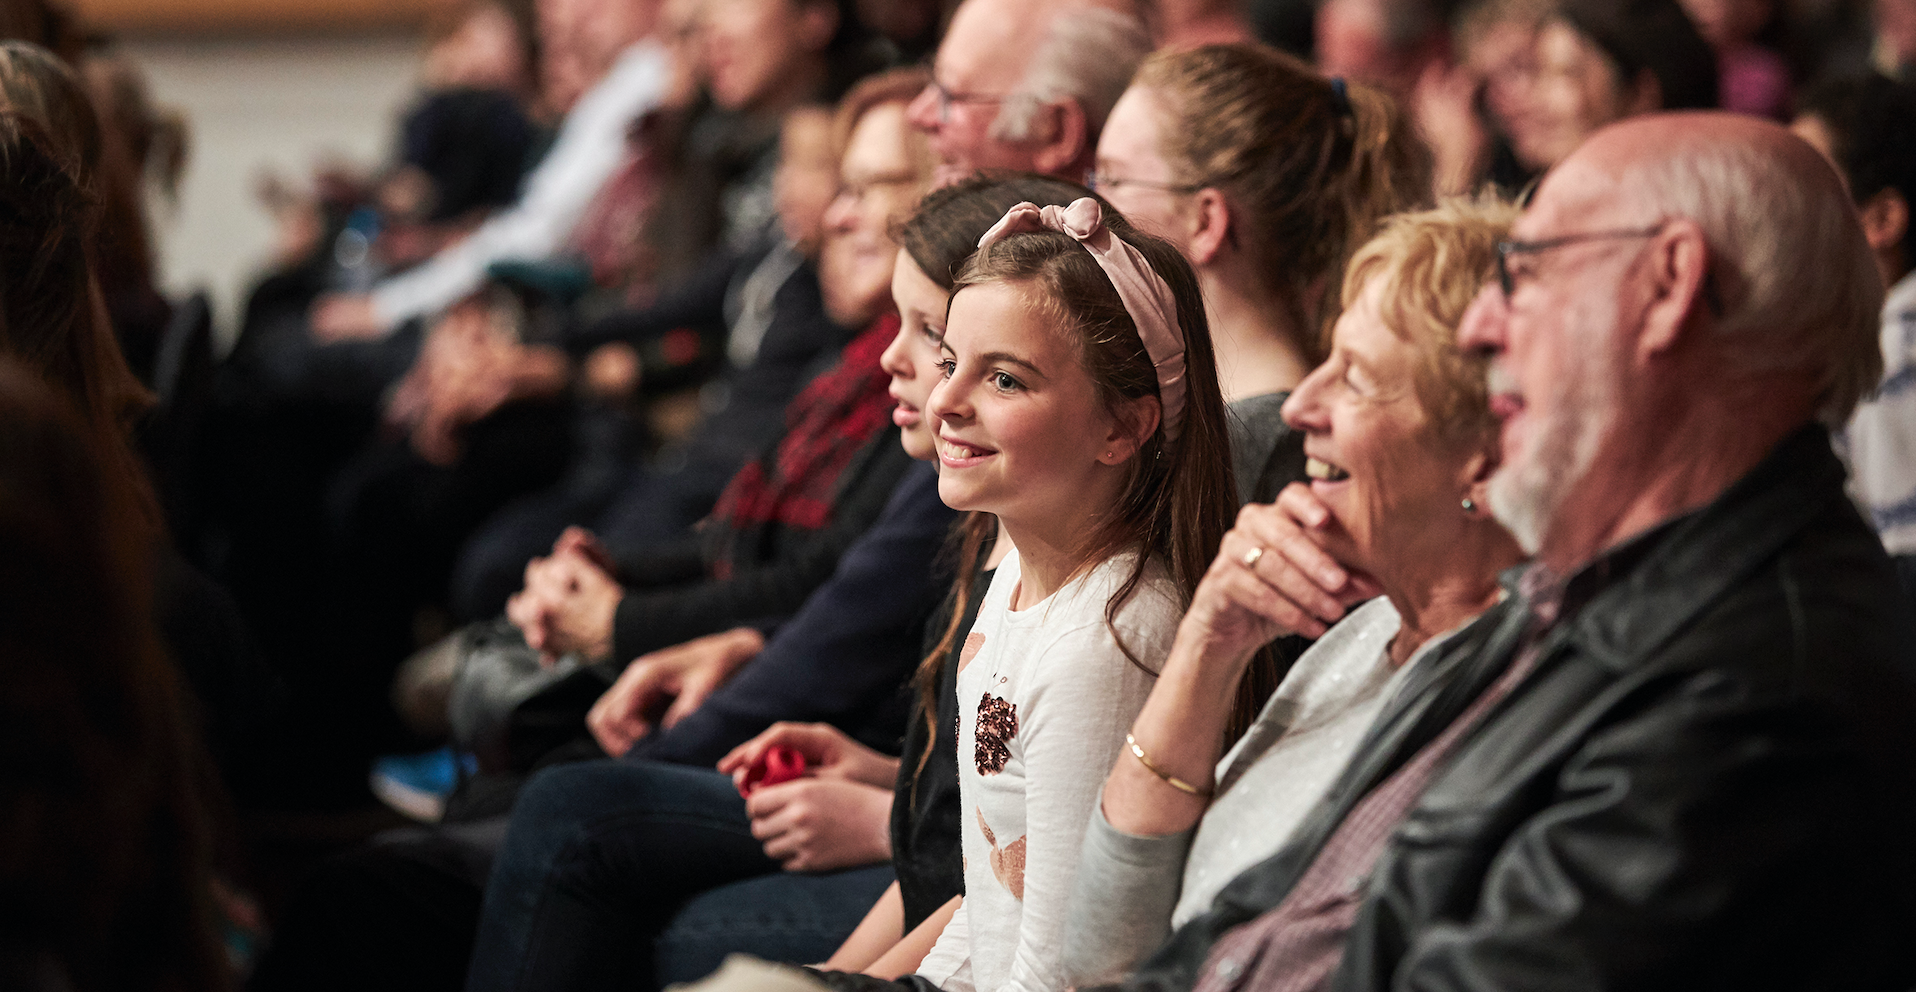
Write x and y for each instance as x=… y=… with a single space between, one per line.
x=1399 y=443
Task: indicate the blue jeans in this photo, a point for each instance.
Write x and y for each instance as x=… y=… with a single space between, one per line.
x=632 y=875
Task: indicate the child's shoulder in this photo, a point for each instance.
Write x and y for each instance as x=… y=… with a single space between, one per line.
x=1146 y=620
x=1153 y=599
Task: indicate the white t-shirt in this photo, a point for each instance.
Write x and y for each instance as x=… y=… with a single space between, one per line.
x=1045 y=696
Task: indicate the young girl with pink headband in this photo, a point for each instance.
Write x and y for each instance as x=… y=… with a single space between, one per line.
x=1080 y=404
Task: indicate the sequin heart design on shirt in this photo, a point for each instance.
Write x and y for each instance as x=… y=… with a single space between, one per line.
x=997 y=725
x=1007 y=862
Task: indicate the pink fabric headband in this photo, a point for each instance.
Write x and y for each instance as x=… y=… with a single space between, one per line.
x=1146 y=296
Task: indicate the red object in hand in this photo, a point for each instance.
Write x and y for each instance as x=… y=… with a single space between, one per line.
x=778 y=764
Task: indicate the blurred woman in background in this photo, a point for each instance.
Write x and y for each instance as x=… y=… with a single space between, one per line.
x=1266 y=175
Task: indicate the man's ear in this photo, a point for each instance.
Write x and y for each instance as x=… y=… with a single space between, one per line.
x=817 y=24
x=1680 y=284
x=1134 y=424
x=1064 y=141
x=1210 y=226
x=1885 y=219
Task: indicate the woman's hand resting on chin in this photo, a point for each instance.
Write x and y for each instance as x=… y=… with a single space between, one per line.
x=1250 y=597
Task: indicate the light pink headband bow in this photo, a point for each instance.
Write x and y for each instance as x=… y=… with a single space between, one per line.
x=1146 y=296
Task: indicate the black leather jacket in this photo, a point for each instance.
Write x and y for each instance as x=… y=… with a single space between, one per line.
x=1709 y=781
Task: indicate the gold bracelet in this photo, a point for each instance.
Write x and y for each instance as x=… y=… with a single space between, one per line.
x=1169 y=779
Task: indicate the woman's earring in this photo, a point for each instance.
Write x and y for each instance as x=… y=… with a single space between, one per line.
x=1470 y=505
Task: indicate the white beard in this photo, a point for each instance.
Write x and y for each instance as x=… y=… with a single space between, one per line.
x=1528 y=492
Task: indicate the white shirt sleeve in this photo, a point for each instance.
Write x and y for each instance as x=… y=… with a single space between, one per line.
x=1074 y=724
x=586 y=154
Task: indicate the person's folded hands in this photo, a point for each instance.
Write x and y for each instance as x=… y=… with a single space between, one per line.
x=567 y=605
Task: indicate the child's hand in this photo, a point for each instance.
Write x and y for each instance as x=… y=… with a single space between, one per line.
x=828 y=753
x=821 y=824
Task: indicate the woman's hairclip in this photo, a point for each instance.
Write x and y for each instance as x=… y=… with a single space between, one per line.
x=1145 y=294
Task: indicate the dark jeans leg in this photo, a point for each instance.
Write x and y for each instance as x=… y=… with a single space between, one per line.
x=797 y=919
x=1906 y=570
x=598 y=858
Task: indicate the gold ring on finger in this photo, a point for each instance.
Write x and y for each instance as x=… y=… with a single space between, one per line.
x=1253 y=556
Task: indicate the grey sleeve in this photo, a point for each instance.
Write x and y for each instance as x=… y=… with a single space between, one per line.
x=1121 y=902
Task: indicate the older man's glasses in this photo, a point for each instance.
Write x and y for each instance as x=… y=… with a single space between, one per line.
x=948 y=96
x=1102 y=183
x=1507 y=274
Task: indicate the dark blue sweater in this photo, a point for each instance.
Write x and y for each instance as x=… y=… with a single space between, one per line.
x=844 y=656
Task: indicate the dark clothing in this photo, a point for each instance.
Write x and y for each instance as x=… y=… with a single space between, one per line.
x=926 y=849
x=745 y=404
x=643 y=504
x=842 y=657
x=396 y=914
x=792 y=563
x=1267 y=454
x=665 y=850
x=1704 y=782
x=602 y=856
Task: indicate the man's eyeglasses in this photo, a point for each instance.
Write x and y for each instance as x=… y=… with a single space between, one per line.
x=948 y=96
x=1507 y=280
x=1110 y=184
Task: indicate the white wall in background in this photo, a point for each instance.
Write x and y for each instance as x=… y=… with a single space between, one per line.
x=258 y=104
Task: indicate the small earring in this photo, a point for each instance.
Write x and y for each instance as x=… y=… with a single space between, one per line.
x=1470 y=505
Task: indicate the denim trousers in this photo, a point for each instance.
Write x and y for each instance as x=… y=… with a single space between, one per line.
x=632 y=875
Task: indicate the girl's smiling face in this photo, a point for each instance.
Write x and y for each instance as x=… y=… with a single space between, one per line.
x=913 y=357
x=1024 y=432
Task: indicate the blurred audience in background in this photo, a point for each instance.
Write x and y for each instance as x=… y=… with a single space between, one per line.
x=572 y=403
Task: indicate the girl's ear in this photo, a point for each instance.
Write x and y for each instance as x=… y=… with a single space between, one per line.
x=1133 y=424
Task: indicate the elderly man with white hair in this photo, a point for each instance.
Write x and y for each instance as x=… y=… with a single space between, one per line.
x=1026 y=85
x=1679 y=753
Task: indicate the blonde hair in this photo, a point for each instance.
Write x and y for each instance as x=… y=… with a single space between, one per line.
x=1432 y=264
x=1308 y=171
